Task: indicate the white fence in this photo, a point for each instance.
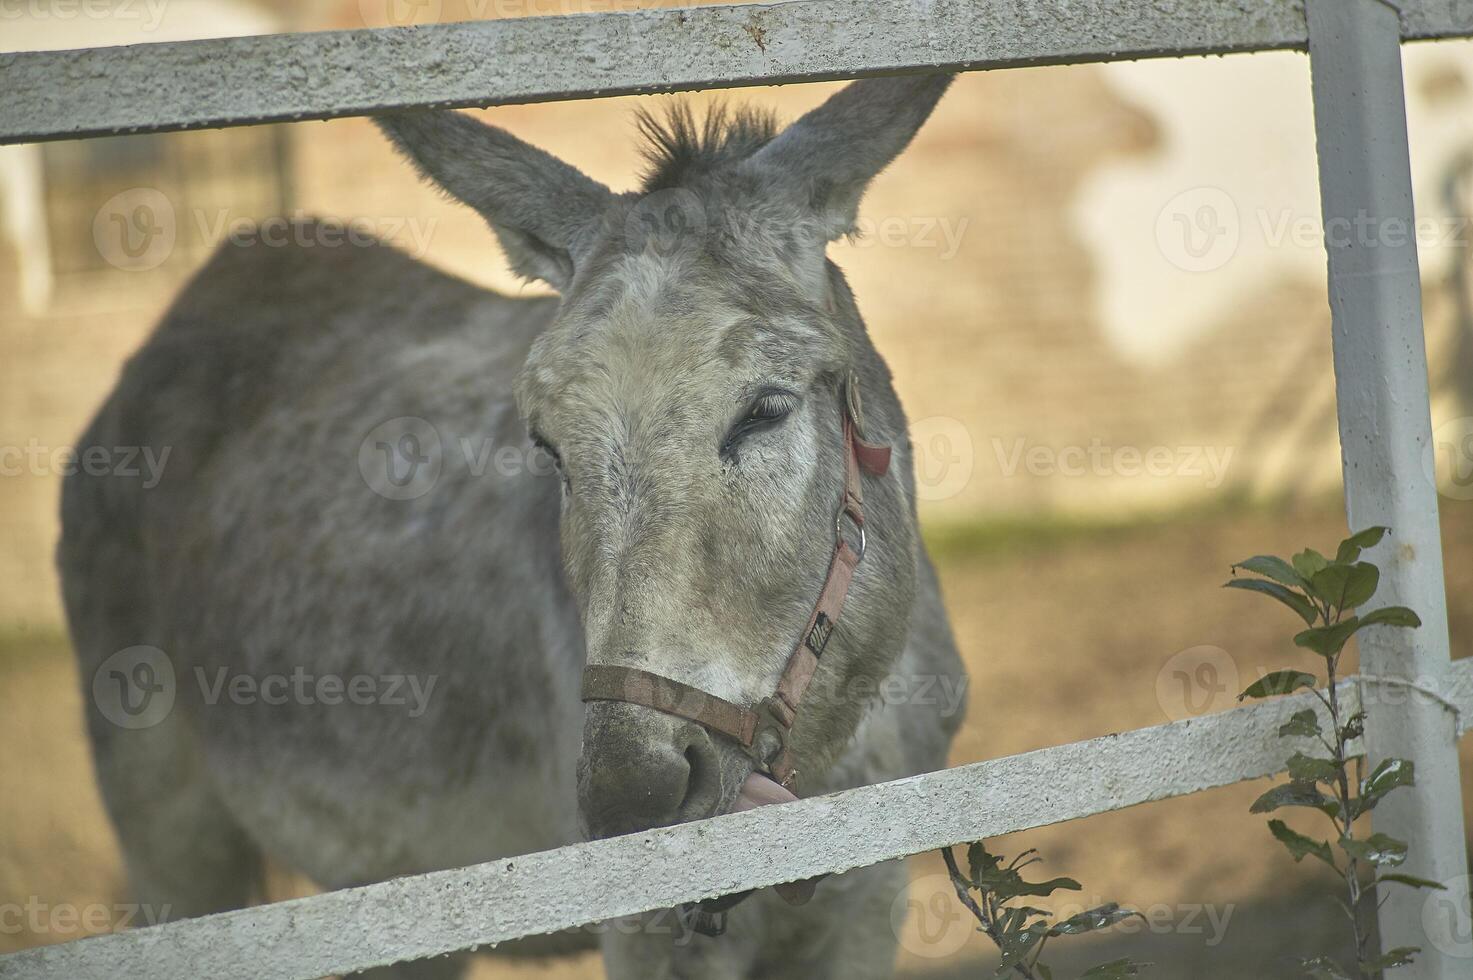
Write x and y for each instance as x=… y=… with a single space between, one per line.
x=1381 y=375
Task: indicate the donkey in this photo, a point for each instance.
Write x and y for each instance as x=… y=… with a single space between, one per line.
x=381 y=472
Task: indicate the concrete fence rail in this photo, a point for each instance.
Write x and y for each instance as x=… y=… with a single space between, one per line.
x=147 y=88
x=486 y=904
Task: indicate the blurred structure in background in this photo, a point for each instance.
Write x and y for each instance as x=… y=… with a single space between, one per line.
x=1100 y=288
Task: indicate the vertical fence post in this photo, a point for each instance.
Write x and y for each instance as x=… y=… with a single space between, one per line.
x=1385 y=429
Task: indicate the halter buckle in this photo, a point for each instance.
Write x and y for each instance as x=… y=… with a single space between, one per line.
x=773 y=720
x=846 y=511
x=852 y=402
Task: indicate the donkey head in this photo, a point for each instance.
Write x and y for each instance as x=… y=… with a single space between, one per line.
x=691 y=389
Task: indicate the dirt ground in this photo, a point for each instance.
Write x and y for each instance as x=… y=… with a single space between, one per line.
x=1069 y=633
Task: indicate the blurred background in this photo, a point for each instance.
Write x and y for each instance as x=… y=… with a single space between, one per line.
x=1102 y=293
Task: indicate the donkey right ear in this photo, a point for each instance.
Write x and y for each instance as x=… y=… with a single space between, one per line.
x=541 y=208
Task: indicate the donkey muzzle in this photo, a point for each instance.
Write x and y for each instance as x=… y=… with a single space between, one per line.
x=641 y=768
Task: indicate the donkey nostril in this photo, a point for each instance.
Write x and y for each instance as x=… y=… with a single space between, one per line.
x=703 y=779
x=641 y=769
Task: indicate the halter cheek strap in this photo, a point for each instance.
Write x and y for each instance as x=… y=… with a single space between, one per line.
x=763 y=731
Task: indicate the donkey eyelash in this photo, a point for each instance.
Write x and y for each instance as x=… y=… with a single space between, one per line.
x=765 y=411
x=772 y=405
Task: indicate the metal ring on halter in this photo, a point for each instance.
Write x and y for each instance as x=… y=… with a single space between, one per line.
x=839 y=528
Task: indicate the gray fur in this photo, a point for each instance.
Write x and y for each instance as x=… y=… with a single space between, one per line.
x=264 y=548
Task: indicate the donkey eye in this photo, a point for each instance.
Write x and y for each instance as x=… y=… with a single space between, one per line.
x=546 y=447
x=766 y=411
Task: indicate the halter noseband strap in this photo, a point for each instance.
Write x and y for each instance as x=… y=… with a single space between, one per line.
x=762 y=731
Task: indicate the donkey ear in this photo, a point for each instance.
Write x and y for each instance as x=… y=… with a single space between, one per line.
x=541 y=208
x=831 y=154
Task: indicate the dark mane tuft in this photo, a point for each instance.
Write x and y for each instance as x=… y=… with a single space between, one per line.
x=679 y=148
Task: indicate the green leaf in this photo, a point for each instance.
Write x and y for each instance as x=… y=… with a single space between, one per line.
x=1014 y=919
x=1043 y=888
x=1390 y=616
x=1275 y=568
x=1279 y=682
x=1115 y=970
x=1308 y=562
x=1006 y=883
x=1412 y=881
x=980 y=861
x=1352 y=546
x=1345 y=586
x=1386 y=777
x=1312 y=769
x=1304 y=724
x=1015 y=944
x=1378 y=849
x=1329 y=584
x=1324 y=968
x=1296 y=794
x=1354 y=727
x=1390 y=960
x=1091 y=919
x=1364 y=577
x=1327 y=640
x=1301 y=606
x=1299 y=845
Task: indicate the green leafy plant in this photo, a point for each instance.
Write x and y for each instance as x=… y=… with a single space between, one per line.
x=1323 y=592
x=1019 y=930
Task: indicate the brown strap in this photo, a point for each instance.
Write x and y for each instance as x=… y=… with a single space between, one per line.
x=804 y=660
x=873 y=459
x=606 y=682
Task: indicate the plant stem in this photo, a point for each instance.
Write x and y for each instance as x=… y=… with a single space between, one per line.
x=986 y=919
x=962 y=887
x=1345 y=822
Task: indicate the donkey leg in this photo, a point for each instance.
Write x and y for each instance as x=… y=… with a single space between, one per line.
x=184 y=853
x=844 y=933
x=661 y=946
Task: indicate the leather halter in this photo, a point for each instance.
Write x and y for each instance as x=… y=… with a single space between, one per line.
x=762 y=731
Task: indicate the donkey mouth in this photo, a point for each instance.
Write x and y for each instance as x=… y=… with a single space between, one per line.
x=761 y=790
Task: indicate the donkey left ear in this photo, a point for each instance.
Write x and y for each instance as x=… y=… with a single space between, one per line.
x=541 y=208
x=830 y=155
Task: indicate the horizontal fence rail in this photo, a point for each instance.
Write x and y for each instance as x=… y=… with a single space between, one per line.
x=486 y=904
x=277 y=78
